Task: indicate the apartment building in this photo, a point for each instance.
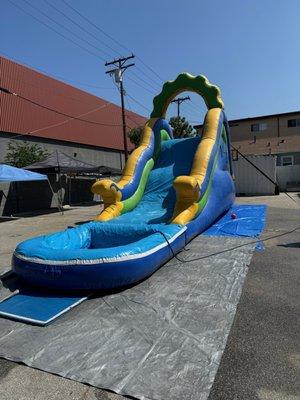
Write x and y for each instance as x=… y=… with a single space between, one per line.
x=277 y=135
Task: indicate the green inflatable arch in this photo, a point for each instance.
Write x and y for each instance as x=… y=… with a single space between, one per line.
x=211 y=94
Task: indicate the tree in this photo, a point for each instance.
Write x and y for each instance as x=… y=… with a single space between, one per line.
x=135 y=135
x=181 y=127
x=24 y=153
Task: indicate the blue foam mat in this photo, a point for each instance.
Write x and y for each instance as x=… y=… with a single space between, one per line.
x=250 y=222
x=36 y=307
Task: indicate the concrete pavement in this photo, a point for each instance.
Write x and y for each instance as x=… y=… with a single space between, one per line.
x=261 y=359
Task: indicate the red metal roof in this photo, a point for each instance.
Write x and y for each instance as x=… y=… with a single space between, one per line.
x=20 y=116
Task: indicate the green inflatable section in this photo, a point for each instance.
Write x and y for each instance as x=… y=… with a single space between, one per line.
x=211 y=94
x=132 y=202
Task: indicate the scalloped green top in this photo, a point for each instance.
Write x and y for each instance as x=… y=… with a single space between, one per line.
x=211 y=94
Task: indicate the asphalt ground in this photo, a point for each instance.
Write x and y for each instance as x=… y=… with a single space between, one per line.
x=261 y=360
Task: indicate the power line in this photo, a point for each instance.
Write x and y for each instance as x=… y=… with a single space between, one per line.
x=70 y=119
x=104 y=33
x=95 y=37
x=64 y=27
x=151 y=69
x=72 y=41
x=55 y=125
x=67 y=38
x=148 y=76
x=142 y=86
x=81 y=27
x=191 y=112
x=128 y=116
x=137 y=102
x=194 y=106
x=110 y=37
x=50 y=27
x=89 y=43
x=144 y=81
x=54 y=30
x=54 y=75
x=52 y=92
x=4 y=90
x=136 y=123
x=180 y=100
x=94 y=25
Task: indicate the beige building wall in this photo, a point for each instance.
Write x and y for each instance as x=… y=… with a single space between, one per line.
x=277 y=138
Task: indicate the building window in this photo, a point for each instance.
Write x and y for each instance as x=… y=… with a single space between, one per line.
x=293 y=122
x=287 y=160
x=259 y=127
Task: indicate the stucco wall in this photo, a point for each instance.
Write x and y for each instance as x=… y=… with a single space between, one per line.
x=276 y=139
x=288 y=177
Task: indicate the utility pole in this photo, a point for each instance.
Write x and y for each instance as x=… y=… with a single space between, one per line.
x=121 y=66
x=180 y=100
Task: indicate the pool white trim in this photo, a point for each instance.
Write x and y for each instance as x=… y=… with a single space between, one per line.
x=101 y=260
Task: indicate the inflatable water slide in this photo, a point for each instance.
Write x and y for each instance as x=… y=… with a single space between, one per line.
x=171 y=190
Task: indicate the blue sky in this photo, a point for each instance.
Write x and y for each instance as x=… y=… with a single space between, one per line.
x=249 y=48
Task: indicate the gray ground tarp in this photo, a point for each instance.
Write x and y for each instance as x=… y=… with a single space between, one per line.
x=162 y=339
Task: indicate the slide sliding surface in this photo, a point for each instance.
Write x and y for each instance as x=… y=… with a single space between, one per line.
x=121 y=197
x=183 y=178
x=159 y=199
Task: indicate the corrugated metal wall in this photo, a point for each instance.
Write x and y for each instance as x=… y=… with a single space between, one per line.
x=249 y=181
x=20 y=116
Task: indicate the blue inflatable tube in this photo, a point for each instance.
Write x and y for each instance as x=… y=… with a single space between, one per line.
x=74 y=259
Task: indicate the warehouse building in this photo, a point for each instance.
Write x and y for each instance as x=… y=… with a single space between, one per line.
x=265 y=140
x=84 y=126
x=56 y=116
